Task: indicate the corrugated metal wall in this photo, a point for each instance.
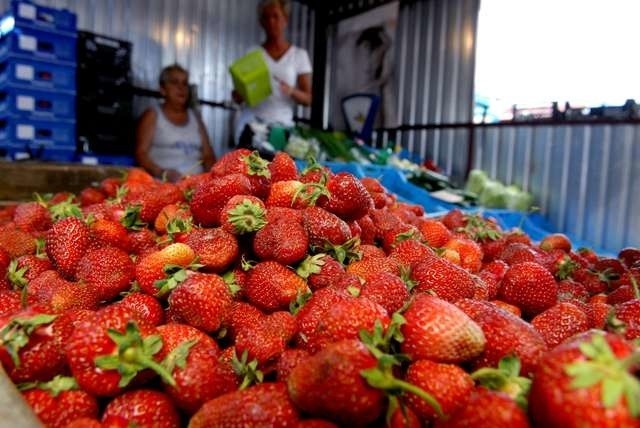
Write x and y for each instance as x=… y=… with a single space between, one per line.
x=585 y=177
x=435 y=68
x=205 y=36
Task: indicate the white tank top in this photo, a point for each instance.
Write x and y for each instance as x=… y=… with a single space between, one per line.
x=177 y=147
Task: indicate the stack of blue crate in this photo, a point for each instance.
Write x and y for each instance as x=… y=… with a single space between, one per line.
x=37 y=83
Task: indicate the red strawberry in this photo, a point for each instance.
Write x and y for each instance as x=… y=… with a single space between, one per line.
x=368 y=267
x=586 y=381
x=142 y=242
x=556 y=241
x=32 y=217
x=143 y=407
x=316 y=423
x=239 y=316
x=109 y=269
x=272 y=286
x=150 y=269
x=486 y=408
x=447 y=383
x=265 y=405
x=27 y=268
x=147 y=307
x=439 y=331
x=67 y=242
x=211 y=196
x=344 y=318
x=9 y=302
x=283 y=167
x=91 y=195
x=111 y=350
x=560 y=322
x=265 y=340
x=201 y=301
x=324 y=227
x=411 y=251
x=470 y=253
x=454 y=220
x=370 y=250
x=216 y=248
x=284 y=241
x=387 y=290
x=59 y=401
x=230 y=163
x=442 y=277
x=243 y=214
x=320 y=270
x=348 y=198
x=322 y=384
x=16 y=242
x=288 y=360
x=517 y=252
x=629 y=256
x=396 y=234
x=192 y=359
x=505 y=334
x=598 y=313
x=435 y=232
x=109 y=232
x=530 y=287
x=569 y=290
x=507 y=307
x=288 y=194
x=61 y=295
x=629 y=314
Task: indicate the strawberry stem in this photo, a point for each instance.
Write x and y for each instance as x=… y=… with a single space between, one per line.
x=247 y=217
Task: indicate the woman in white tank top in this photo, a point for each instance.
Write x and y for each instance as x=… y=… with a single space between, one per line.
x=171 y=139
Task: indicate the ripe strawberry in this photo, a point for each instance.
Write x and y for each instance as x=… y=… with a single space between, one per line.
x=146 y=306
x=9 y=302
x=192 y=359
x=470 y=253
x=556 y=241
x=487 y=408
x=284 y=241
x=598 y=313
x=267 y=339
x=216 y=248
x=109 y=351
x=67 y=241
x=283 y=167
x=435 y=232
x=16 y=242
x=507 y=307
x=368 y=267
x=454 y=220
x=271 y=286
x=61 y=295
x=320 y=270
x=289 y=359
x=396 y=234
x=447 y=383
x=230 y=163
x=629 y=256
x=411 y=251
x=142 y=242
x=59 y=401
x=243 y=214
x=266 y=405
x=569 y=290
x=371 y=250
x=152 y=198
x=32 y=217
x=91 y=195
x=143 y=407
x=586 y=381
x=109 y=232
x=334 y=372
x=288 y=194
x=239 y=316
x=529 y=286
x=442 y=277
x=628 y=313
x=387 y=290
x=439 y=331
x=109 y=269
x=150 y=269
x=201 y=301
x=517 y=252
x=367 y=230
x=316 y=423
x=344 y=318
x=324 y=227
x=25 y=269
x=348 y=198
x=560 y=322
x=505 y=334
x=211 y=196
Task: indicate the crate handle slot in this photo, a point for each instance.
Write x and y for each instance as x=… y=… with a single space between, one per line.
x=46 y=17
x=44 y=75
x=44 y=133
x=45 y=46
x=44 y=105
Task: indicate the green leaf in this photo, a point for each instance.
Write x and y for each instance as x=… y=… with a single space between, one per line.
x=510 y=365
x=152 y=344
x=612 y=390
x=178 y=356
x=107 y=362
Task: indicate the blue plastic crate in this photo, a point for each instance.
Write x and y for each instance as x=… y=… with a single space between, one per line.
x=19 y=131
x=37 y=74
x=41 y=152
x=26 y=12
x=37 y=43
x=100 y=159
x=36 y=103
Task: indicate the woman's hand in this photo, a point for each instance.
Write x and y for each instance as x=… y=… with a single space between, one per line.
x=286 y=89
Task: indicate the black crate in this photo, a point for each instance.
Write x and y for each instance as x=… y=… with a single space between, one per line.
x=109 y=55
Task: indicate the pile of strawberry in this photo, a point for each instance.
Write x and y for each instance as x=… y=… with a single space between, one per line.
x=259 y=295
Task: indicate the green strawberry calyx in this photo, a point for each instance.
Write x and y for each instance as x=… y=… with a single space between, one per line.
x=247 y=217
x=601 y=366
x=177 y=226
x=54 y=387
x=65 y=209
x=247 y=370
x=257 y=165
x=178 y=356
x=176 y=275
x=298 y=303
x=479 y=229
x=381 y=345
x=134 y=354
x=345 y=253
x=311 y=265
x=231 y=281
x=309 y=193
x=15 y=335
x=566 y=267
x=505 y=378
x=15 y=275
x=131 y=219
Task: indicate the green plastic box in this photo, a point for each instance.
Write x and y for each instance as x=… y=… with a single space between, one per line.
x=251 y=77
